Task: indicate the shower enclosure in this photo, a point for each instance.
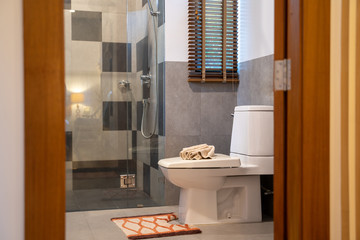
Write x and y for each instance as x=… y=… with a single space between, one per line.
x=114 y=52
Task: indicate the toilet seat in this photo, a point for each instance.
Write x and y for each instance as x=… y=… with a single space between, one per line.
x=218 y=161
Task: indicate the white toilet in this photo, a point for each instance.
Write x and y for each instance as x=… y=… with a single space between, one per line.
x=227 y=188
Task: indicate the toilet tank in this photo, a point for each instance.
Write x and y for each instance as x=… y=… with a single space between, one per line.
x=253 y=131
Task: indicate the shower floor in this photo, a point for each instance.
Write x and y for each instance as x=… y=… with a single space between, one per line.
x=96 y=225
x=101 y=199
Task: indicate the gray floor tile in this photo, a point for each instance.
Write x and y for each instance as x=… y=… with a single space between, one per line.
x=100 y=226
x=77 y=227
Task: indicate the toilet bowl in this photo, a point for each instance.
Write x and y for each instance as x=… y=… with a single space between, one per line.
x=227 y=188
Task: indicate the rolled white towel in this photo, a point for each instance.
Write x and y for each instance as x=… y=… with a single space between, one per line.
x=197 y=152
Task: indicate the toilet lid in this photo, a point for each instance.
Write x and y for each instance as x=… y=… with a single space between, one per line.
x=218 y=161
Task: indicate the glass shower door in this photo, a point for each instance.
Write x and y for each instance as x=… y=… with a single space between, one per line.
x=109 y=164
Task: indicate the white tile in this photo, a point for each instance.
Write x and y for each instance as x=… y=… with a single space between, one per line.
x=85 y=58
x=67 y=38
x=111 y=91
x=134 y=5
x=111 y=6
x=138 y=24
x=114 y=27
x=91 y=143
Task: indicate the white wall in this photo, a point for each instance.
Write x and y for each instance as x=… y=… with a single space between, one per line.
x=256 y=29
x=176 y=40
x=11 y=121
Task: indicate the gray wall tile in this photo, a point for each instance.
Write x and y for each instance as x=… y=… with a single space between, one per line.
x=221 y=142
x=86 y=26
x=172 y=194
x=256 y=82
x=157 y=181
x=161 y=99
x=218 y=101
x=182 y=102
x=174 y=144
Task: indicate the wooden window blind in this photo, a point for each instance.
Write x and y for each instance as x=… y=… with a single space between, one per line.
x=212 y=45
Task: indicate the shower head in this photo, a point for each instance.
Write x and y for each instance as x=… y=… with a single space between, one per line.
x=152 y=12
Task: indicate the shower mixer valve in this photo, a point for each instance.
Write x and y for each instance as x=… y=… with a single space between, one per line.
x=124 y=84
x=146 y=79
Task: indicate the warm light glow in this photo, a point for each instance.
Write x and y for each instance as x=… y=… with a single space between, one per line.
x=77 y=97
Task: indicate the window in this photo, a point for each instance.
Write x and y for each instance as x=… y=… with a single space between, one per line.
x=212 y=41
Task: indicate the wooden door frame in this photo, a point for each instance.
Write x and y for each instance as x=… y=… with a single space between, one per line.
x=44 y=119
x=45 y=132
x=302 y=209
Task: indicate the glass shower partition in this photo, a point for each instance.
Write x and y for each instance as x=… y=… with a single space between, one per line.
x=109 y=46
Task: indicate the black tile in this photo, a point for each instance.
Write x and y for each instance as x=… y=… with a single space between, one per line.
x=116 y=57
x=86 y=26
x=68 y=139
x=161 y=9
x=142 y=56
x=67 y=4
x=134 y=144
x=116 y=116
x=127 y=167
x=96 y=183
x=146 y=178
x=154 y=151
x=94 y=199
x=144 y=2
x=139 y=112
x=146 y=92
x=161 y=99
x=71 y=205
x=101 y=174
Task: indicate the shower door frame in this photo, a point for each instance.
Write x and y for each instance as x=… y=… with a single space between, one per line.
x=45 y=132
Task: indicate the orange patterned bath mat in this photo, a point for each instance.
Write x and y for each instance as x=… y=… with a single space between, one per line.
x=152 y=226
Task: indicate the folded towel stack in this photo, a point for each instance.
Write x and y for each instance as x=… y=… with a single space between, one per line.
x=197 y=152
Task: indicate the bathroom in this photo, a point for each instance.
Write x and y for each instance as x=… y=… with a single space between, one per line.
x=319 y=148
x=93 y=165
x=113 y=135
